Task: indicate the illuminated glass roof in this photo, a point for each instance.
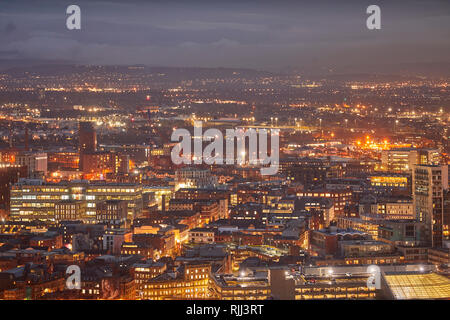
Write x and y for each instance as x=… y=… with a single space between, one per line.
x=419 y=286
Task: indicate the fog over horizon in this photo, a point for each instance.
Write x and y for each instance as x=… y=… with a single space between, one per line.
x=319 y=36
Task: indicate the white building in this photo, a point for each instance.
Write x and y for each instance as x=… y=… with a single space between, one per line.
x=35 y=161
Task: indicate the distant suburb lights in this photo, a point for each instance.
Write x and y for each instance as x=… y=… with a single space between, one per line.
x=73 y=21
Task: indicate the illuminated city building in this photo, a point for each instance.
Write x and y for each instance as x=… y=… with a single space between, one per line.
x=221 y=196
x=446 y=217
x=378 y=259
x=404 y=159
x=325 y=241
x=333 y=284
x=389 y=181
x=246 y=194
x=87 y=140
x=29 y=282
x=191 y=281
x=415 y=285
x=340 y=198
x=201 y=235
x=9 y=175
x=98 y=282
x=8 y=156
x=64 y=160
x=241 y=287
x=36 y=162
x=387 y=208
x=101 y=163
x=248 y=211
x=111 y=211
x=49 y=240
x=354 y=288
x=163 y=241
x=87 y=137
x=318 y=207
x=114 y=238
x=429 y=157
x=413 y=254
x=191 y=177
x=364 y=248
x=68 y=210
x=359 y=224
x=439 y=256
x=145 y=271
x=131 y=193
x=159 y=195
x=310 y=171
x=137 y=153
x=35 y=200
x=402 y=233
x=209 y=209
x=137 y=249
x=399 y=160
x=430 y=183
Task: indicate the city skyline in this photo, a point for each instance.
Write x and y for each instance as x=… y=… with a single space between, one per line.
x=251 y=152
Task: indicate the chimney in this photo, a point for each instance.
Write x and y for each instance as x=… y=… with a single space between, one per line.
x=27 y=147
x=163 y=204
x=10 y=136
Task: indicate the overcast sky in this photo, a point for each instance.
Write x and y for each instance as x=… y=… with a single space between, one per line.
x=256 y=34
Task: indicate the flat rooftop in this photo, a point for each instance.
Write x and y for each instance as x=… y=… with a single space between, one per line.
x=418 y=285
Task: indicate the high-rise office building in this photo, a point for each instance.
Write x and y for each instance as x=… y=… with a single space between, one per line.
x=87 y=137
x=9 y=174
x=446 y=218
x=430 y=183
x=87 y=140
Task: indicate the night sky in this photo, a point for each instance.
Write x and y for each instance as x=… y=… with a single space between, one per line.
x=267 y=35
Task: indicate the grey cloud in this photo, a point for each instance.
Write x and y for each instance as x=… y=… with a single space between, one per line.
x=233 y=33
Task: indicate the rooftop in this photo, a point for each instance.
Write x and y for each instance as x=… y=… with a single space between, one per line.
x=418 y=285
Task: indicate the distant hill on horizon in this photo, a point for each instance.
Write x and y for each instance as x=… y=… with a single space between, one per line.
x=348 y=73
